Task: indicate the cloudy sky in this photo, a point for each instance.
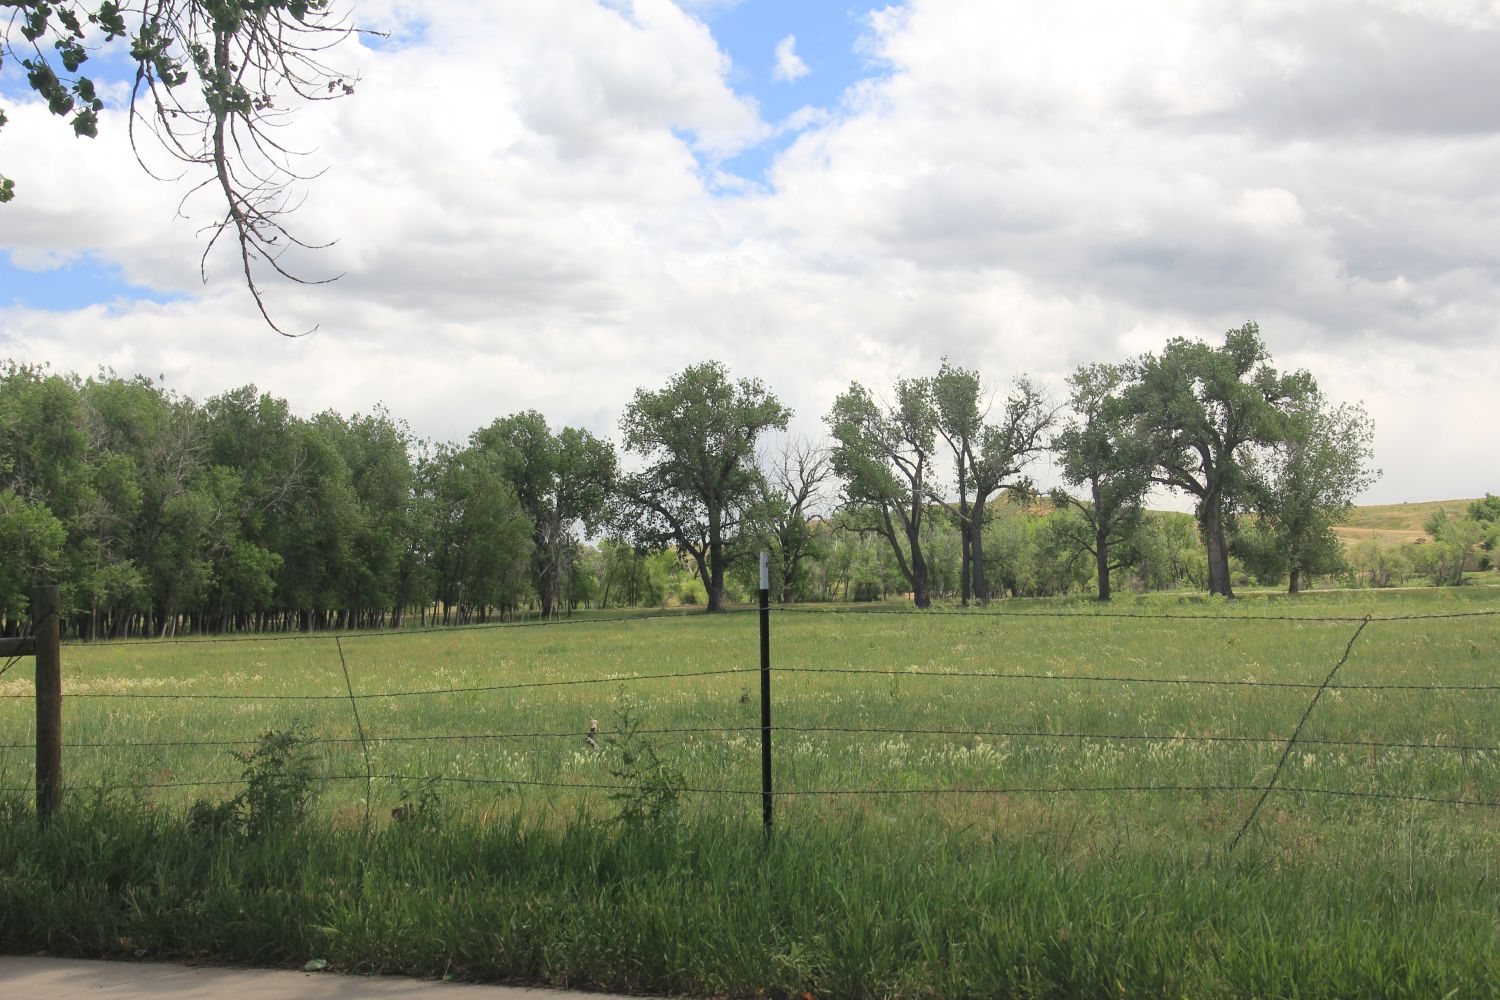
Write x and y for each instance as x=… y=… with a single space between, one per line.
x=547 y=205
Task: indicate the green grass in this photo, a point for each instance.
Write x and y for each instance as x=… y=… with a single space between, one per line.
x=924 y=891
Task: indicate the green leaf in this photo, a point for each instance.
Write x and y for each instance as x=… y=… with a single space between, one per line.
x=70 y=21
x=73 y=54
x=110 y=19
x=36 y=22
x=86 y=123
x=7 y=189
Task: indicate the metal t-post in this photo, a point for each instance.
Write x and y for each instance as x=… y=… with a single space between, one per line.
x=47 y=628
x=765 y=691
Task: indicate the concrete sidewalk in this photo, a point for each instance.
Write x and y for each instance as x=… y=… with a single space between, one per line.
x=72 y=979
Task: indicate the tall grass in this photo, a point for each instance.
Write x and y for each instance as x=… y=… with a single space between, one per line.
x=848 y=907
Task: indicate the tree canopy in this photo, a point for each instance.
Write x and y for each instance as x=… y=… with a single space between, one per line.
x=1201 y=408
x=697 y=436
x=1100 y=452
x=212 y=82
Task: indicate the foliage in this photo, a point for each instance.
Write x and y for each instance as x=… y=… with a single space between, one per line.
x=1100 y=451
x=559 y=479
x=1454 y=540
x=700 y=485
x=989 y=456
x=280 y=784
x=653 y=785
x=1201 y=408
x=1305 y=483
x=213 y=81
x=884 y=456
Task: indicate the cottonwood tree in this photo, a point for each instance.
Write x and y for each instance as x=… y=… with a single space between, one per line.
x=955 y=393
x=698 y=436
x=1202 y=408
x=1305 y=483
x=884 y=456
x=560 y=479
x=795 y=478
x=1099 y=452
x=987 y=456
x=214 y=80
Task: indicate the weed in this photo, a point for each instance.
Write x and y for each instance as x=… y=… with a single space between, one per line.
x=420 y=810
x=653 y=784
x=279 y=787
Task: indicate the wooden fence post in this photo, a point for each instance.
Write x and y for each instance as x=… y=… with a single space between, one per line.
x=48 y=631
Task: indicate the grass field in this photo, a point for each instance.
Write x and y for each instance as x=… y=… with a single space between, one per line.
x=950 y=819
x=1395 y=523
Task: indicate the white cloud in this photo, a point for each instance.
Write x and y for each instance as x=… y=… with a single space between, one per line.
x=534 y=211
x=789 y=65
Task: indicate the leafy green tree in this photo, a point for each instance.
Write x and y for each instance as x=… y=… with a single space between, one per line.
x=988 y=456
x=1201 y=408
x=1168 y=552
x=1486 y=512
x=697 y=436
x=1454 y=540
x=213 y=80
x=561 y=480
x=482 y=541
x=32 y=540
x=1100 y=452
x=884 y=456
x=1305 y=483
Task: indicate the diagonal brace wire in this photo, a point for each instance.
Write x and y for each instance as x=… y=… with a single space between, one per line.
x=1287 y=750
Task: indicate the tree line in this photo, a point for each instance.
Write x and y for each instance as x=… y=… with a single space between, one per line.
x=159 y=514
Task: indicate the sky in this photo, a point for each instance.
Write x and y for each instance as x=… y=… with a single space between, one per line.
x=548 y=205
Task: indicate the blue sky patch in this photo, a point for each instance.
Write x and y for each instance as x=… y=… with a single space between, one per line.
x=827 y=39
x=81 y=282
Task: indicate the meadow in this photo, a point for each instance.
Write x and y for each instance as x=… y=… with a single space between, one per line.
x=1034 y=800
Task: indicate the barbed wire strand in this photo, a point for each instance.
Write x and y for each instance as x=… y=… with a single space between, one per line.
x=1115 y=679
x=1292 y=742
x=851 y=730
x=782 y=609
x=402 y=738
x=420 y=631
x=479 y=689
x=1164 y=616
x=31 y=630
x=1124 y=789
x=1141 y=737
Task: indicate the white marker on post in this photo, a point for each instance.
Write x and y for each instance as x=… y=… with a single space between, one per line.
x=765 y=571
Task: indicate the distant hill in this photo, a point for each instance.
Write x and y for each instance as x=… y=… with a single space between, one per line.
x=1396 y=523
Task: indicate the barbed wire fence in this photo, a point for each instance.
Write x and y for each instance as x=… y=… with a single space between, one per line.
x=535 y=741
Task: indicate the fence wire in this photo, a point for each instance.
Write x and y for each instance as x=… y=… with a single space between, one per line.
x=686 y=734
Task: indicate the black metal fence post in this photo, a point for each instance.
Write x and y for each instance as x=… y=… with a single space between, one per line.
x=48 y=631
x=765 y=691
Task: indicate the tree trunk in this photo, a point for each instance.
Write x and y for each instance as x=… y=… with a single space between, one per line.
x=1218 y=551
x=976 y=557
x=716 y=584
x=1101 y=565
x=1295 y=585
x=920 y=595
x=715 y=579
x=965 y=548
